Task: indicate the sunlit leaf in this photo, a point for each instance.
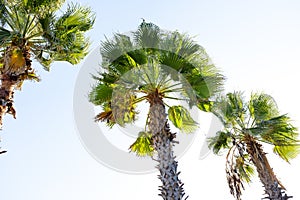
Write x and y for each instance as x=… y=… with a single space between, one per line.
x=205 y=106
x=182 y=119
x=143 y=145
x=287 y=152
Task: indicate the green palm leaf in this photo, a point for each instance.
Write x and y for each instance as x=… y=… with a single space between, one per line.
x=41 y=6
x=262 y=107
x=205 y=105
x=123 y=105
x=5 y=35
x=182 y=119
x=143 y=145
x=230 y=109
x=100 y=94
x=220 y=141
x=49 y=37
x=245 y=169
x=287 y=152
x=147 y=36
x=278 y=131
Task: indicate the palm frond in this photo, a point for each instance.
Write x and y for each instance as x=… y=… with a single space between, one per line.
x=107 y=78
x=147 y=36
x=287 y=152
x=262 y=107
x=65 y=36
x=183 y=54
x=199 y=85
x=230 y=109
x=46 y=22
x=143 y=145
x=182 y=119
x=244 y=167
x=75 y=18
x=123 y=105
x=73 y=50
x=100 y=94
x=5 y=36
x=3 y=13
x=222 y=140
x=106 y=115
x=205 y=105
x=278 y=131
x=41 y=7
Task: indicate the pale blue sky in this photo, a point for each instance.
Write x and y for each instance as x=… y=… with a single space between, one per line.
x=255 y=43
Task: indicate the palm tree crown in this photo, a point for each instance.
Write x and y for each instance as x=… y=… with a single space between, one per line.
x=155 y=66
x=32 y=30
x=246 y=125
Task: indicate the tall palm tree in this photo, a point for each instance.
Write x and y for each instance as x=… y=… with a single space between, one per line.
x=31 y=30
x=246 y=126
x=155 y=66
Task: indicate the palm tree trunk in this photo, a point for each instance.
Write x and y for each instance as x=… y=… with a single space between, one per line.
x=172 y=187
x=16 y=63
x=9 y=81
x=6 y=97
x=273 y=188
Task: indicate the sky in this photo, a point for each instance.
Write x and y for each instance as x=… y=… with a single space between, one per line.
x=256 y=46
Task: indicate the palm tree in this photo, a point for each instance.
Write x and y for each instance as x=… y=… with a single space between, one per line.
x=155 y=67
x=31 y=30
x=246 y=126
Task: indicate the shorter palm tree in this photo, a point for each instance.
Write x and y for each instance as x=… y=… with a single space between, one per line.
x=246 y=126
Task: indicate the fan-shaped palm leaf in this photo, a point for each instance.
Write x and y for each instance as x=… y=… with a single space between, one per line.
x=143 y=145
x=30 y=29
x=154 y=66
x=182 y=119
x=246 y=123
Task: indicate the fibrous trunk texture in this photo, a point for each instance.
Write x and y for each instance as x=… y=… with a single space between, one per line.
x=6 y=97
x=15 y=65
x=273 y=188
x=172 y=187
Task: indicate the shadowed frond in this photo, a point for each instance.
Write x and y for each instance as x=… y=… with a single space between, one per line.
x=123 y=105
x=262 y=107
x=5 y=35
x=222 y=140
x=100 y=94
x=244 y=167
x=147 y=36
x=230 y=109
x=3 y=13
